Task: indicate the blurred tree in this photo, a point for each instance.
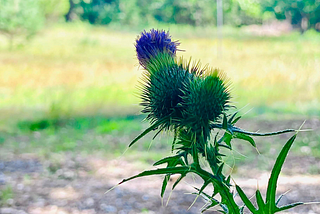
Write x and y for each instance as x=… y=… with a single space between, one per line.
x=20 y=18
x=54 y=9
x=70 y=11
x=303 y=14
x=96 y=11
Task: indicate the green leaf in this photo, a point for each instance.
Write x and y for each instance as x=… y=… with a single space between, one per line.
x=225 y=122
x=158 y=132
x=236 y=120
x=164 y=184
x=278 y=200
x=238 y=130
x=260 y=201
x=174 y=140
x=246 y=200
x=219 y=171
x=179 y=179
x=207 y=207
x=225 y=209
x=227 y=139
x=289 y=206
x=206 y=183
x=246 y=138
x=231 y=118
x=228 y=179
x=272 y=184
x=211 y=202
x=151 y=128
x=172 y=161
x=161 y=171
x=241 y=210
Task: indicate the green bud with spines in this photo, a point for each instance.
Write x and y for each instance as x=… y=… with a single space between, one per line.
x=163 y=86
x=206 y=99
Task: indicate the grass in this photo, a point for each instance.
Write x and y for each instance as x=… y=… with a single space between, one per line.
x=72 y=87
x=6 y=194
x=78 y=69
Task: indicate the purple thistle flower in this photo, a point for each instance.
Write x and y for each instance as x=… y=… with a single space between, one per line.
x=149 y=44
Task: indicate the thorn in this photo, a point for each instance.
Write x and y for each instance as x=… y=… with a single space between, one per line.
x=113 y=187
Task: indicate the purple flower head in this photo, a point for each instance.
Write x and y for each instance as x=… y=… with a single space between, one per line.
x=149 y=44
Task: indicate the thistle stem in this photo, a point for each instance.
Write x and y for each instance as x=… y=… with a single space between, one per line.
x=223 y=190
x=236 y=129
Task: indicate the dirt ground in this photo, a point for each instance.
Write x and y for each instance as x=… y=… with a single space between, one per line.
x=73 y=184
x=79 y=187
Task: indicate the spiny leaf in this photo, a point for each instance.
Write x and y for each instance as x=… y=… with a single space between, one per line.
x=236 y=120
x=219 y=171
x=212 y=202
x=174 y=140
x=161 y=171
x=225 y=208
x=272 y=184
x=151 y=128
x=231 y=118
x=260 y=201
x=289 y=206
x=179 y=179
x=228 y=179
x=172 y=161
x=227 y=139
x=164 y=184
x=238 y=130
x=245 y=137
x=246 y=200
x=225 y=122
x=241 y=210
x=278 y=200
x=158 y=132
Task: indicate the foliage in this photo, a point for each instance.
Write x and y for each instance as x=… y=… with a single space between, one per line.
x=97 y=11
x=137 y=12
x=6 y=193
x=20 y=18
x=303 y=14
x=24 y=18
x=54 y=9
x=195 y=13
x=193 y=103
x=33 y=94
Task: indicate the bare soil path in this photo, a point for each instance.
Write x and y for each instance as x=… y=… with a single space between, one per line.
x=79 y=186
x=73 y=184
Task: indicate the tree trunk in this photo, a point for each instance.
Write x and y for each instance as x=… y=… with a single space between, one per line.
x=69 y=14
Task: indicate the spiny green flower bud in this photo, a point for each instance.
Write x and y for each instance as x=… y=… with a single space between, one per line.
x=162 y=89
x=174 y=93
x=205 y=99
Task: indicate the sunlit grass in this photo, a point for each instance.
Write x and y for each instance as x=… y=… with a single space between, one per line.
x=78 y=69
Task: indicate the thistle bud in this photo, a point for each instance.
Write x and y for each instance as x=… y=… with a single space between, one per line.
x=205 y=99
x=162 y=88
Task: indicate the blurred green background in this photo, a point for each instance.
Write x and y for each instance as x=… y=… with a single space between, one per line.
x=68 y=72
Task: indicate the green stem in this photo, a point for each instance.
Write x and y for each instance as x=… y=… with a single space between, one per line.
x=236 y=129
x=223 y=189
x=217 y=178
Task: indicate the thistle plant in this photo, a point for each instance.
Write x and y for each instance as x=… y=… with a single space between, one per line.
x=193 y=103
